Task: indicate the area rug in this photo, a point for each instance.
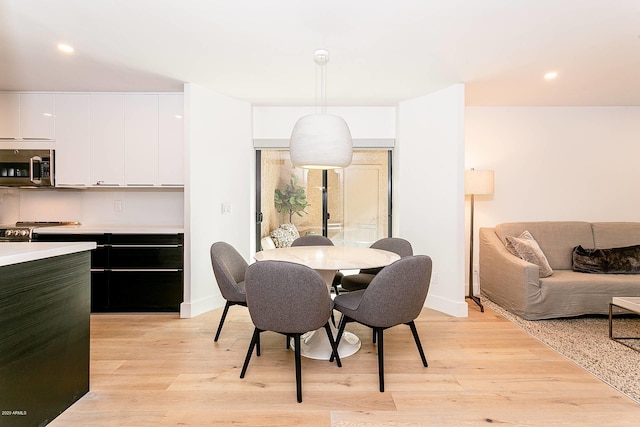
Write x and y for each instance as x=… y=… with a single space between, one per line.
x=585 y=341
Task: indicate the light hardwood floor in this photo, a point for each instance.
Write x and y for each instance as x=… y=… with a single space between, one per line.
x=158 y=370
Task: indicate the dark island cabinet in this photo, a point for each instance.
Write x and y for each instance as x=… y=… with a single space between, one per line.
x=133 y=272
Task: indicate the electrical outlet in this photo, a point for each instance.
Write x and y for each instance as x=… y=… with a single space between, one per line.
x=226 y=209
x=117 y=205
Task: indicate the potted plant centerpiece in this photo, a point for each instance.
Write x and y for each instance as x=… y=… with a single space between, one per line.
x=291 y=199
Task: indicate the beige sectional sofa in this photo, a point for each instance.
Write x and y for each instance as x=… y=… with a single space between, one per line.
x=515 y=285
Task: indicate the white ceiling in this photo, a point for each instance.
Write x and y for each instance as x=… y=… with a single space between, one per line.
x=382 y=51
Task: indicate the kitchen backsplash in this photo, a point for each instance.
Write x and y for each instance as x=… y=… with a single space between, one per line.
x=9 y=205
x=104 y=206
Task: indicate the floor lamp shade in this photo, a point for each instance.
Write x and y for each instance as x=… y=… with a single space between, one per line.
x=321 y=141
x=478 y=182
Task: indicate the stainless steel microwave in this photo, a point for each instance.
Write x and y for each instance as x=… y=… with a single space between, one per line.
x=27 y=168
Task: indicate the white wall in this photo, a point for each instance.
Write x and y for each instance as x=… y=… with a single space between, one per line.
x=428 y=190
x=555 y=163
x=219 y=166
x=271 y=122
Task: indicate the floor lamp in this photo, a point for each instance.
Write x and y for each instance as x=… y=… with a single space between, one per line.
x=476 y=182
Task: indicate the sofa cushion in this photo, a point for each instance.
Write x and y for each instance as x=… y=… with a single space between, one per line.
x=556 y=238
x=624 y=260
x=525 y=246
x=615 y=234
x=267 y=243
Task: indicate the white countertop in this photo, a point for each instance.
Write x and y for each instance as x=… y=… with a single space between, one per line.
x=111 y=228
x=18 y=252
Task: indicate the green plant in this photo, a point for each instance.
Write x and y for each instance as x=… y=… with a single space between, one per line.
x=291 y=199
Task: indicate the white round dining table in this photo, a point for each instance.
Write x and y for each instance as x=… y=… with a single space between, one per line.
x=326 y=260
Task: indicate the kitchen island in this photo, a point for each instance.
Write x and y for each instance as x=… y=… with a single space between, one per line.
x=44 y=329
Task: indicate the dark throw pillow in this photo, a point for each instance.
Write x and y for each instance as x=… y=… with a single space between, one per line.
x=614 y=261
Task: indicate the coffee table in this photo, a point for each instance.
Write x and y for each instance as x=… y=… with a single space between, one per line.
x=631 y=304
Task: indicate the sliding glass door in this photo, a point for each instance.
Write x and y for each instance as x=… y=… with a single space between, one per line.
x=351 y=206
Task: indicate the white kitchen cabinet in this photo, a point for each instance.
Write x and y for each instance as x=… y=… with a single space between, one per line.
x=9 y=116
x=141 y=139
x=106 y=129
x=171 y=140
x=37 y=116
x=73 y=153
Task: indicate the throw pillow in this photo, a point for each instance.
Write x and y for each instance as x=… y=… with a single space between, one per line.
x=291 y=229
x=525 y=247
x=625 y=260
x=284 y=235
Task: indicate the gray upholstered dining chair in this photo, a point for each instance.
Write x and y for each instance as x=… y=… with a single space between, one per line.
x=354 y=282
x=395 y=296
x=312 y=240
x=319 y=240
x=229 y=268
x=290 y=299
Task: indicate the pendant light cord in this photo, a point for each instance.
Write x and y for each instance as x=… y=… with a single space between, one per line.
x=321 y=57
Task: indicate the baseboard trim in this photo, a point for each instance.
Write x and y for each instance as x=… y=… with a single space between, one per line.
x=447 y=306
x=204 y=305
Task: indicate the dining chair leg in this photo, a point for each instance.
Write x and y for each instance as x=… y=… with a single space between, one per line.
x=258 y=345
x=341 y=325
x=224 y=316
x=254 y=339
x=296 y=340
x=416 y=338
x=379 y=333
x=334 y=346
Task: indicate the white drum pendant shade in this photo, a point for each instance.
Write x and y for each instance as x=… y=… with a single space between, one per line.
x=321 y=141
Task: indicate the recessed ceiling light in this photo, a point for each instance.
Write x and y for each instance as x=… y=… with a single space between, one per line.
x=551 y=75
x=65 y=48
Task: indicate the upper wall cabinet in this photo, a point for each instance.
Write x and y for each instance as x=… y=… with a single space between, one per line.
x=141 y=140
x=106 y=130
x=136 y=139
x=9 y=116
x=37 y=116
x=27 y=116
x=171 y=140
x=73 y=166
x=102 y=139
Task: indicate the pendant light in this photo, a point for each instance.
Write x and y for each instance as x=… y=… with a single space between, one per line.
x=321 y=141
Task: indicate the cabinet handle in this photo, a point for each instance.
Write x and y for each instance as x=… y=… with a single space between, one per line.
x=137 y=270
x=143 y=270
x=146 y=246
